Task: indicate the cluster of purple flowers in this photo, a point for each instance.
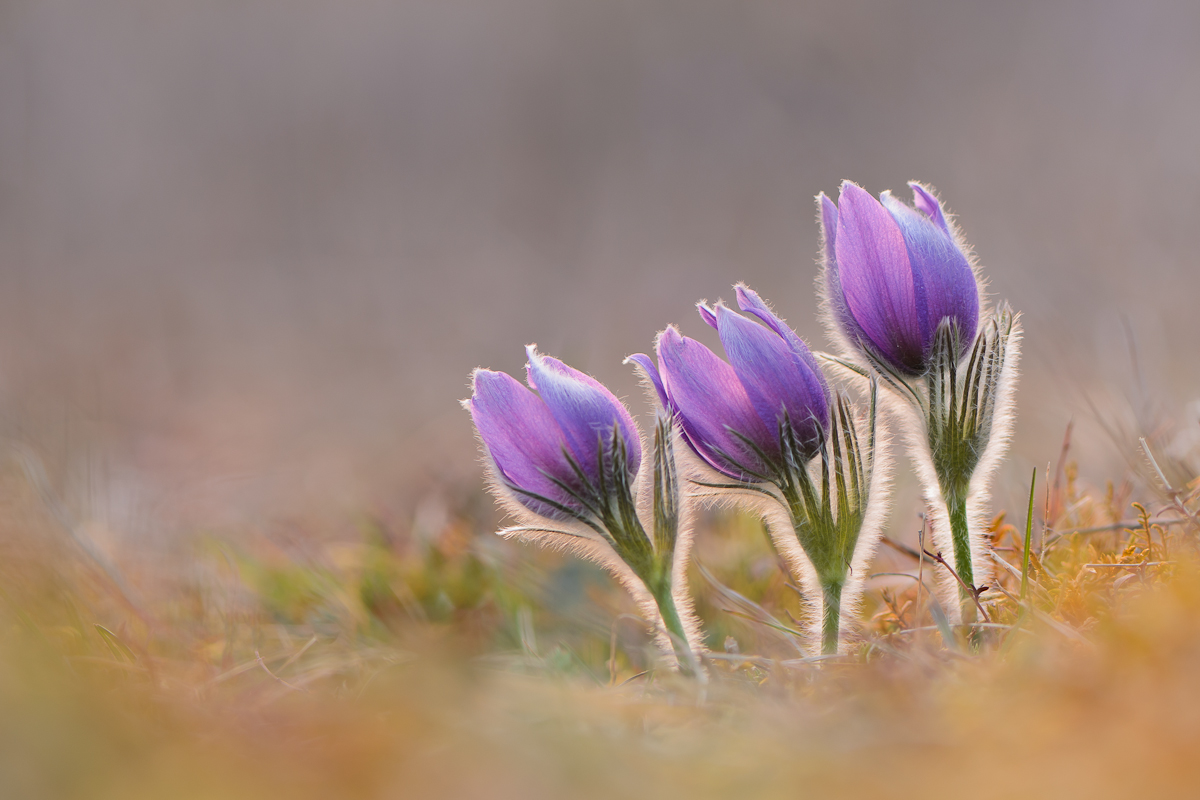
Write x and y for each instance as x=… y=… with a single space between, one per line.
x=765 y=429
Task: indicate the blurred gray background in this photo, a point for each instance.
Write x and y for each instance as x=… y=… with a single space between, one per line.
x=250 y=251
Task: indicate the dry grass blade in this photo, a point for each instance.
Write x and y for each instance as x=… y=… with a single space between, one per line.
x=746 y=608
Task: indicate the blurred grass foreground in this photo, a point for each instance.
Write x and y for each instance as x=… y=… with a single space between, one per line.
x=441 y=661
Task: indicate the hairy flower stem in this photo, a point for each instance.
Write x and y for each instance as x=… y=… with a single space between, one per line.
x=654 y=571
x=959 y=422
x=660 y=589
x=827 y=505
x=962 y=543
x=829 y=578
x=831 y=591
x=957 y=506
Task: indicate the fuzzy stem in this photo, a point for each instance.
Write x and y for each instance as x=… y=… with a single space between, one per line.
x=831 y=617
x=660 y=589
x=819 y=540
x=957 y=506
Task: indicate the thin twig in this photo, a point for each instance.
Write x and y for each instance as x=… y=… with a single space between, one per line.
x=964 y=625
x=267 y=670
x=971 y=590
x=296 y=656
x=1053 y=511
x=1116 y=526
x=902 y=548
x=634 y=677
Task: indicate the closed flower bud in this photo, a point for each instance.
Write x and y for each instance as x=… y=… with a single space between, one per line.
x=561 y=451
x=746 y=417
x=565 y=459
x=893 y=275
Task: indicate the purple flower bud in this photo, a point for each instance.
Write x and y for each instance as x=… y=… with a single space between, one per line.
x=732 y=413
x=894 y=273
x=555 y=451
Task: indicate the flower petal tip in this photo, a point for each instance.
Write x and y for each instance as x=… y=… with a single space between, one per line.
x=746 y=296
x=646 y=365
x=669 y=335
x=829 y=213
x=926 y=202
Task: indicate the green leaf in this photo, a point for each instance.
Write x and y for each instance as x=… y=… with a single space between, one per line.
x=119 y=649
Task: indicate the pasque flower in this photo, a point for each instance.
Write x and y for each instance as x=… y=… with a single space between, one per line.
x=567 y=462
x=904 y=301
x=776 y=439
x=559 y=451
x=744 y=417
x=895 y=274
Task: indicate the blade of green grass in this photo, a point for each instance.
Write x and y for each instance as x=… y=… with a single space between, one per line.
x=119 y=649
x=1028 y=539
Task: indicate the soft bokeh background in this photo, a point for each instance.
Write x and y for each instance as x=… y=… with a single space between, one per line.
x=249 y=252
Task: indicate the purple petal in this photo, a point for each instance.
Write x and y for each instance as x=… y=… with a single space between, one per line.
x=941 y=273
x=712 y=403
x=776 y=377
x=833 y=285
x=929 y=205
x=522 y=438
x=650 y=371
x=584 y=409
x=829 y=221
x=707 y=314
x=751 y=303
x=876 y=279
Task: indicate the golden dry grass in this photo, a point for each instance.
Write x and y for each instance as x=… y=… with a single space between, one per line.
x=464 y=668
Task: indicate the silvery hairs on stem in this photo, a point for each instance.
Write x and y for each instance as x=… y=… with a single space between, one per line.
x=765 y=433
x=566 y=464
x=901 y=295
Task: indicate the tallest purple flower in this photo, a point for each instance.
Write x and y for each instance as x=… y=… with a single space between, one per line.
x=894 y=273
